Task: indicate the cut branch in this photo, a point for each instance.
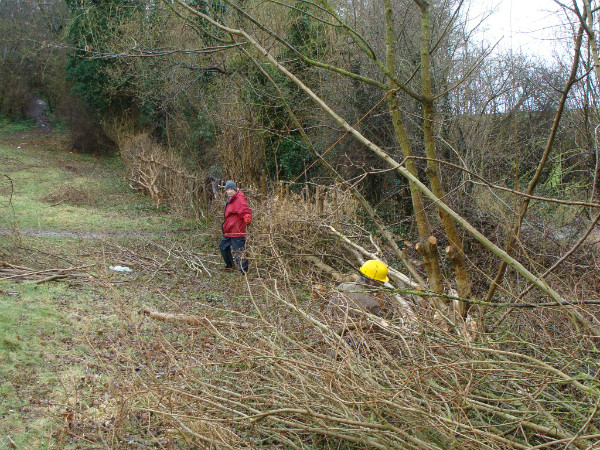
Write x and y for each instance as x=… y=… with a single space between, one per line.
x=189 y=319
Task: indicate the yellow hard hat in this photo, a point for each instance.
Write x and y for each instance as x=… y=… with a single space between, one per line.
x=376 y=270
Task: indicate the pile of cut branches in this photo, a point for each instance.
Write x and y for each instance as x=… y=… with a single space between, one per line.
x=285 y=377
x=288 y=380
x=34 y=276
x=160 y=173
x=315 y=234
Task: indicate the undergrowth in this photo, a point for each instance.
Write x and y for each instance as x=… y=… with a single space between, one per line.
x=177 y=354
x=8 y=127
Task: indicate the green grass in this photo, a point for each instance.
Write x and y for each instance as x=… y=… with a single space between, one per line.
x=56 y=338
x=10 y=126
x=35 y=324
x=43 y=188
x=68 y=347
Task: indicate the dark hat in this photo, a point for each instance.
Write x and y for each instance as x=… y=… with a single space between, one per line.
x=230 y=185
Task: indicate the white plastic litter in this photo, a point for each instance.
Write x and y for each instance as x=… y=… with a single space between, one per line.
x=120 y=268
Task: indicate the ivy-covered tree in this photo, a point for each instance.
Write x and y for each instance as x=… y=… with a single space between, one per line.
x=286 y=155
x=94 y=25
x=30 y=65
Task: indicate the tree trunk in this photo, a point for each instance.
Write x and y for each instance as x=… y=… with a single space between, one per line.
x=429 y=254
x=433 y=172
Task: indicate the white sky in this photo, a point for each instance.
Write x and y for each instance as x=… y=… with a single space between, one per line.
x=530 y=25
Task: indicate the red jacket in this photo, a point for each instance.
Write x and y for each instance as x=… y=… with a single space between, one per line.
x=237 y=215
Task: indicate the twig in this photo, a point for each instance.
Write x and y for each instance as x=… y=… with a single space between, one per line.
x=11 y=443
x=494 y=304
x=6 y=264
x=44 y=280
x=80 y=437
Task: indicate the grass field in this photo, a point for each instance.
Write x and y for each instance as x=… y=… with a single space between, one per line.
x=50 y=189
x=62 y=340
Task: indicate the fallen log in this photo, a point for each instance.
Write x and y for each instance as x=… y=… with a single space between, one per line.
x=189 y=319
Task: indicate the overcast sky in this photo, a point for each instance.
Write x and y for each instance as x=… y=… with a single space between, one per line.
x=530 y=25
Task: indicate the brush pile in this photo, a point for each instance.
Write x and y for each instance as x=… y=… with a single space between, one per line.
x=34 y=276
x=287 y=379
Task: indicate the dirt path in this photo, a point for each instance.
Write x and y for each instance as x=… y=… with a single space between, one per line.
x=83 y=235
x=37 y=111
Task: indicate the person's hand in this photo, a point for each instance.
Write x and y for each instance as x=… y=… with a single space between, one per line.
x=248 y=220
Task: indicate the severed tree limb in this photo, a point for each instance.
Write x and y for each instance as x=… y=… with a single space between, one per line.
x=337 y=276
x=188 y=319
x=44 y=280
x=391 y=271
x=497 y=304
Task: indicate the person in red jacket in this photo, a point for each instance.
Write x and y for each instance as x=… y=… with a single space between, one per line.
x=237 y=216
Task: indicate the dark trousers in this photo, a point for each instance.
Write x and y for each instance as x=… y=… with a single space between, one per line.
x=234 y=249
